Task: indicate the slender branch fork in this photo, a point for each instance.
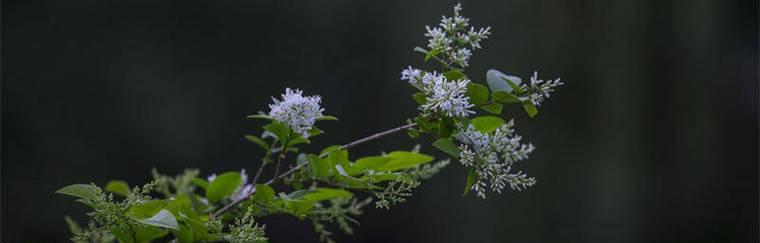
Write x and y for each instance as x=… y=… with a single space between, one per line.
x=298 y=167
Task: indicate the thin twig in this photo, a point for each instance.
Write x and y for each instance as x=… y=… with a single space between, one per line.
x=280 y=157
x=299 y=166
x=258 y=173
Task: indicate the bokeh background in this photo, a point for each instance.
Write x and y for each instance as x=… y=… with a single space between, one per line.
x=653 y=139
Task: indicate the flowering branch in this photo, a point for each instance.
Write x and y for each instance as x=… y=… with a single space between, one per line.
x=463 y=116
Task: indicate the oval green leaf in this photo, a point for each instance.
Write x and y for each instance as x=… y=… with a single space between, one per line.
x=477 y=93
x=404 y=160
x=487 y=124
x=447 y=146
x=258 y=141
x=530 y=108
x=162 y=219
x=493 y=108
x=223 y=186
x=471 y=176
x=84 y=191
x=118 y=187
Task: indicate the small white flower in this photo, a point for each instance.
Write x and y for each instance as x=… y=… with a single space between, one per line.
x=442 y=96
x=451 y=24
x=438 y=39
x=430 y=79
x=461 y=57
x=539 y=90
x=450 y=39
x=492 y=157
x=412 y=75
x=296 y=111
x=445 y=97
x=479 y=141
x=467 y=157
x=473 y=38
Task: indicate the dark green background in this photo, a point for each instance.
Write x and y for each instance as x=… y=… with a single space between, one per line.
x=653 y=139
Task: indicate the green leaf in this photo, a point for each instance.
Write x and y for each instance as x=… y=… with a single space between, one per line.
x=201 y=183
x=182 y=204
x=447 y=146
x=321 y=194
x=279 y=130
x=471 y=176
x=298 y=140
x=420 y=49
x=148 y=234
x=73 y=225
x=404 y=160
x=328 y=150
x=425 y=124
x=420 y=98
x=454 y=75
x=337 y=156
x=184 y=234
x=494 y=108
x=223 y=186
x=375 y=178
x=264 y=193
x=498 y=81
x=487 y=124
x=327 y=118
x=505 y=97
x=118 y=187
x=195 y=226
x=259 y=116
x=428 y=54
x=514 y=82
x=123 y=234
x=413 y=133
x=320 y=167
x=258 y=141
x=432 y=54
x=147 y=209
x=87 y=192
x=477 y=93
x=354 y=183
x=315 y=132
x=530 y=108
x=368 y=163
x=445 y=127
x=297 y=207
x=162 y=219
x=299 y=202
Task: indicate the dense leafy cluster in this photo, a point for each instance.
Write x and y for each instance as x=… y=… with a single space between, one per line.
x=330 y=188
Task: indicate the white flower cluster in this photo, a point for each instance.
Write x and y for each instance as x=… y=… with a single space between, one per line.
x=538 y=90
x=296 y=111
x=492 y=156
x=442 y=96
x=242 y=191
x=452 y=38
